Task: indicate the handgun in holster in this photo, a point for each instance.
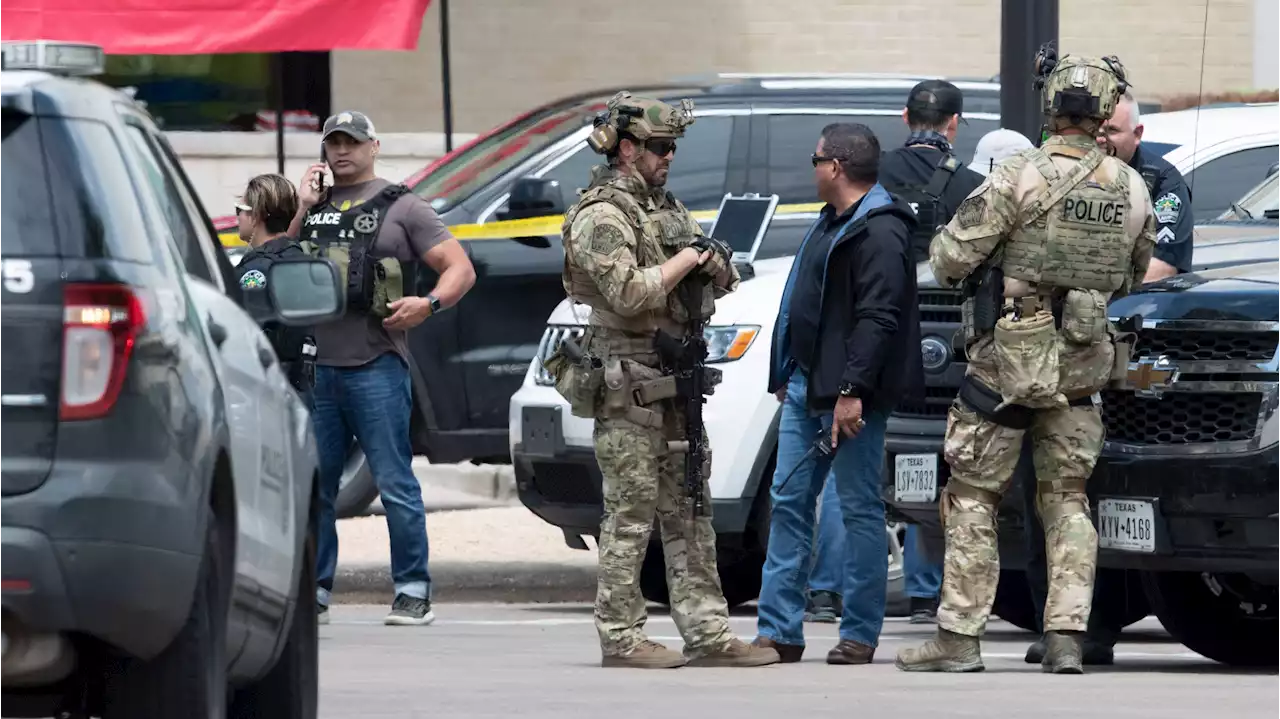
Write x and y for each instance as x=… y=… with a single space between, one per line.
x=307 y=364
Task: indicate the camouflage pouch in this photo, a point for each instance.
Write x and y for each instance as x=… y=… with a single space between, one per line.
x=1084 y=317
x=579 y=383
x=1086 y=369
x=388 y=285
x=1027 y=362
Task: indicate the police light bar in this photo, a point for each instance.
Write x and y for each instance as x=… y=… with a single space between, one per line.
x=62 y=58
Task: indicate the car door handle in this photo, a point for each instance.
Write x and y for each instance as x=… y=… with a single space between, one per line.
x=217 y=332
x=266 y=356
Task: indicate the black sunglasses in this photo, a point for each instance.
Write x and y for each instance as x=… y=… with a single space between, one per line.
x=816 y=158
x=660 y=146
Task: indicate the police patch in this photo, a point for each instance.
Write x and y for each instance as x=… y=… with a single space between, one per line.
x=253 y=280
x=1168 y=206
x=605 y=239
x=972 y=211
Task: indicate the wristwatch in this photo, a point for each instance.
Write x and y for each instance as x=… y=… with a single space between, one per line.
x=848 y=390
x=434 y=302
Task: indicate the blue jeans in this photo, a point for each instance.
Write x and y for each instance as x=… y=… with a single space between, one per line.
x=922 y=579
x=856 y=466
x=372 y=403
x=827 y=574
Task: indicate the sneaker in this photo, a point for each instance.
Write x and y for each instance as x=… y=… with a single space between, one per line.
x=924 y=610
x=948 y=652
x=823 y=607
x=647 y=655
x=322 y=614
x=410 y=611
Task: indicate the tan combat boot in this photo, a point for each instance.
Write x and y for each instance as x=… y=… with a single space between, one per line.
x=948 y=652
x=1062 y=653
x=737 y=653
x=646 y=655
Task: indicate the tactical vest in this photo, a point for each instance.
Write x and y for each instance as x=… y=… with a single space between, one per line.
x=1073 y=235
x=660 y=235
x=347 y=239
x=295 y=346
x=926 y=199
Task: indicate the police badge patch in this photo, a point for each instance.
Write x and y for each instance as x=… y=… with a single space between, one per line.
x=971 y=212
x=1167 y=208
x=605 y=239
x=253 y=280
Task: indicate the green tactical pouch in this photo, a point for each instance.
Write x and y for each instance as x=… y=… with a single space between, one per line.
x=1084 y=317
x=388 y=285
x=580 y=383
x=1027 y=362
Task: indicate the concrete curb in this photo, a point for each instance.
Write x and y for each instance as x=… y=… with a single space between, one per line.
x=543 y=582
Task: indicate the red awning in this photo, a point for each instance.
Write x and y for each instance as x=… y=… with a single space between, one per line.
x=189 y=27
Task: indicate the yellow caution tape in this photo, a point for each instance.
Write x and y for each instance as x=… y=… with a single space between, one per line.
x=535 y=226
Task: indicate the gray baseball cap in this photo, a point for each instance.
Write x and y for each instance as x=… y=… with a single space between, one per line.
x=355 y=124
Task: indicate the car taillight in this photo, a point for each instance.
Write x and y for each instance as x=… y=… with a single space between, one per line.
x=100 y=323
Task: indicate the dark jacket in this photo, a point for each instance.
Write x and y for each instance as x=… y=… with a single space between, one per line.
x=906 y=171
x=1172 y=201
x=870 y=325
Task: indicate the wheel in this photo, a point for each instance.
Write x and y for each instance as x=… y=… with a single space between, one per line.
x=1229 y=618
x=188 y=678
x=739 y=575
x=291 y=690
x=1013 y=601
x=356 y=488
x=896 y=601
x=1136 y=606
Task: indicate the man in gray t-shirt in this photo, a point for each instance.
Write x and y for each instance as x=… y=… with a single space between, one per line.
x=363 y=388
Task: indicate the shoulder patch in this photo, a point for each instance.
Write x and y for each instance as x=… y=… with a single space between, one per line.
x=972 y=211
x=1167 y=207
x=605 y=239
x=253 y=280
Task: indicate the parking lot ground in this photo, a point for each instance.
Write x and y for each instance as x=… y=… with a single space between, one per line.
x=542 y=661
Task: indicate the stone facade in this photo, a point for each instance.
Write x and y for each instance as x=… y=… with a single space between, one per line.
x=511 y=55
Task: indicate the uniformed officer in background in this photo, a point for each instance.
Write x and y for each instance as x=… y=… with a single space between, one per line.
x=264 y=212
x=629 y=244
x=1057 y=232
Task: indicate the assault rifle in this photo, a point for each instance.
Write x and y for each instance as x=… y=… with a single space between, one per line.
x=685 y=359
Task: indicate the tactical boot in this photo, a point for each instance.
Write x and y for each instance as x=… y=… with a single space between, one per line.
x=646 y=655
x=737 y=654
x=948 y=652
x=1062 y=653
x=1093 y=653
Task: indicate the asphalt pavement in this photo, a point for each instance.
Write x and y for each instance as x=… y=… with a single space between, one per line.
x=542 y=661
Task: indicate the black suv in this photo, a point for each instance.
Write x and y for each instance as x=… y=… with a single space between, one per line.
x=158 y=468
x=753 y=134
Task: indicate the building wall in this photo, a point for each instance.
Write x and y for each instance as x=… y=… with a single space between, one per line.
x=510 y=55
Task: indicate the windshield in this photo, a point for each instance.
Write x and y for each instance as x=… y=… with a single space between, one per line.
x=468 y=171
x=1262 y=202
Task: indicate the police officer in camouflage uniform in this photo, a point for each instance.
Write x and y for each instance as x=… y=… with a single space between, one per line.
x=264 y=214
x=1069 y=228
x=628 y=244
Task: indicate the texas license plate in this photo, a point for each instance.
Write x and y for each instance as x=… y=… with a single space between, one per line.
x=1128 y=525
x=915 y=477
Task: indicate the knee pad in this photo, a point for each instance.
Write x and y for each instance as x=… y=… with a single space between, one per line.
x=1057 y=506
x=967 y=504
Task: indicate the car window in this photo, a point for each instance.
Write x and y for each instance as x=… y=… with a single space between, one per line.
x=170 y=204
x=792 y=139
x=1221 y=181
x=78 y=164
x=205 y=236
x=698 y=169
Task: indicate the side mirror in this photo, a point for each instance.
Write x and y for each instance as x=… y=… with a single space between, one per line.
x=305 y=291
x=533 y=197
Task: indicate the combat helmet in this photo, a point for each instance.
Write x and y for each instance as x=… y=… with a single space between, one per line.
x=1078 y=91
x=640 y=118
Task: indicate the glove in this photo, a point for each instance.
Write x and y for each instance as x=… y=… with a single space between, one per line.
x=706 y=243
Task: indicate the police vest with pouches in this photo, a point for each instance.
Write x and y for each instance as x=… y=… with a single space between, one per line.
x=287 y=341
x=926 y=200
x=347 y=238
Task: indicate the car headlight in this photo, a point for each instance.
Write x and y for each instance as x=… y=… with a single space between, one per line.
x=726 y=344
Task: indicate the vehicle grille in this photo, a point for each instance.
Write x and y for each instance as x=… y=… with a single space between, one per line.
x=1207 y=345
x=551 y=339
x=1180 y=417
x=940 y=305
x=937 y=400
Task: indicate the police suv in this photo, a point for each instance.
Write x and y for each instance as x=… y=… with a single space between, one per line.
x=158 y=469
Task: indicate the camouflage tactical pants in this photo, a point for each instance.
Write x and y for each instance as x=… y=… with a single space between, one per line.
x=643 y=482
x=982 y=456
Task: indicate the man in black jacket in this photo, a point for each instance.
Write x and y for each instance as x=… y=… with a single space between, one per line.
x=846 y=349
x=925 y=171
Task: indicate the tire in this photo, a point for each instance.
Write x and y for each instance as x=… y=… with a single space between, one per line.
x=1013 y=601
x=1228 y=618
x=356 y=488
x=1136 y=605
x=189 y=678
x=291 y=690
